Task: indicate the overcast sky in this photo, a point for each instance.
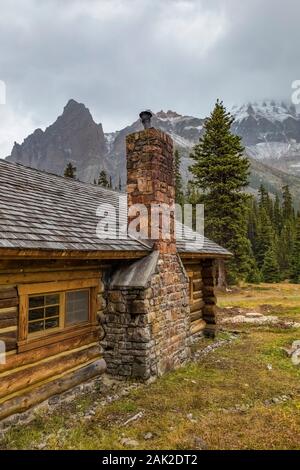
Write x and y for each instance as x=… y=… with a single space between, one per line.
x=120 y=56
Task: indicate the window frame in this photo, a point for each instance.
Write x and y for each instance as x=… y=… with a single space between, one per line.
x=61 y=315
x=48 y=336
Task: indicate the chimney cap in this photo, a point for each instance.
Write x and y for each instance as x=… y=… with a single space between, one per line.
x=146 y=118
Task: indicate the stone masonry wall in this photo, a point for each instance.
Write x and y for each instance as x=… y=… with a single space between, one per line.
x=147 y=329
x=150 y=179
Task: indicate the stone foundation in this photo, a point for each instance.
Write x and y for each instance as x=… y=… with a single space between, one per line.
x=147 y=327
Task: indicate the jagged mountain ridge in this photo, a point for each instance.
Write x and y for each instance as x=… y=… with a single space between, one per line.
x=75 y=137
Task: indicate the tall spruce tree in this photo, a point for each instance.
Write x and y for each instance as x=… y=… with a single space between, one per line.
x=70 y=171
x=277 y=215
x=270 y=268
x=265 y=236
x=287 y=205
x=295 y=258
x=102 y=180
x=221 y=172
x=285 y=248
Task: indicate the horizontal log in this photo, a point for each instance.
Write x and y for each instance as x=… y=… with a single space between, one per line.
x=12 y=381
x=8 y=293
x=44 y=351
x=197 y=326
x=29 y=265
x=34 y=395
x=197 y=285
x=54 y=338
x=4 y=303
x=7 y=286
x=10 y=340
x=197 y=295
x=196 y=315
x=10 y=312
x=53 y=286
x=196 y=306
x=196 y=274
x=27 y=277
x=6 y=322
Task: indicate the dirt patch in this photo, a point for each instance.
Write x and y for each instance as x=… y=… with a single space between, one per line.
x=261 y=315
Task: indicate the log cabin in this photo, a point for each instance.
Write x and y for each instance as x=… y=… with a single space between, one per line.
x=74 y=305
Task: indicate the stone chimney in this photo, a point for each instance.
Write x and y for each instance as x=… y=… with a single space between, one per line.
x=148 y=323
x=150 y=181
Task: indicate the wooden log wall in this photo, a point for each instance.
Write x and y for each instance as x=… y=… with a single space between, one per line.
x=8 y=316
x=209 y=308
x=193 y=270
x=49 y=367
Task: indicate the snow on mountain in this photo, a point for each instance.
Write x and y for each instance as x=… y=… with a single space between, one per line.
x=271 y=110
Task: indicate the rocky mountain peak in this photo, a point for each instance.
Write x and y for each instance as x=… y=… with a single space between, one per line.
x=74 y=137
x=168 y=115
x=74 y=111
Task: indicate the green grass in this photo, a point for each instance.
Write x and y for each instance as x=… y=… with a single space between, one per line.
x=216 y=391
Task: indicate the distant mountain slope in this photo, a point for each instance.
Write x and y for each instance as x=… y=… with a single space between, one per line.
x=270 y=131
x=273 y=179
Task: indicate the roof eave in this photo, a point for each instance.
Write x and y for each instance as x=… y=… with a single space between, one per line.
x=205 y=255
x=71 y=254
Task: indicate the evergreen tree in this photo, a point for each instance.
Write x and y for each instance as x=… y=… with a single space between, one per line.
x=120 y=184
x=253 y=222
x=265 y=236
x=221 y=172
x=110 y=182
x=179 y=196
x=270 y=268
x=273 y=234
x=102 y=180
x=285 y=248
x=295 y=258
x=277 y=215
x=265 y=201
x=70 y=171
x=287 y=206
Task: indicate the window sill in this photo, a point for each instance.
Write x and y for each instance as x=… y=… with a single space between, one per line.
x=55 y=337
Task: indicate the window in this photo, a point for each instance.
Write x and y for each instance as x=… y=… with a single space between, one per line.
x=57 y=310
x=54 y=309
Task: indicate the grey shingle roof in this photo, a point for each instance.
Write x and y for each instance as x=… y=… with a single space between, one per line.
x=39 y=210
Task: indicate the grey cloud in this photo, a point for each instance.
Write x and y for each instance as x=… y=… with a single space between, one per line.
x=118 y=56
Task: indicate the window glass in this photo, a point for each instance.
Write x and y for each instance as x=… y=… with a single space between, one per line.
x=43 y=312
x=77 y=307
